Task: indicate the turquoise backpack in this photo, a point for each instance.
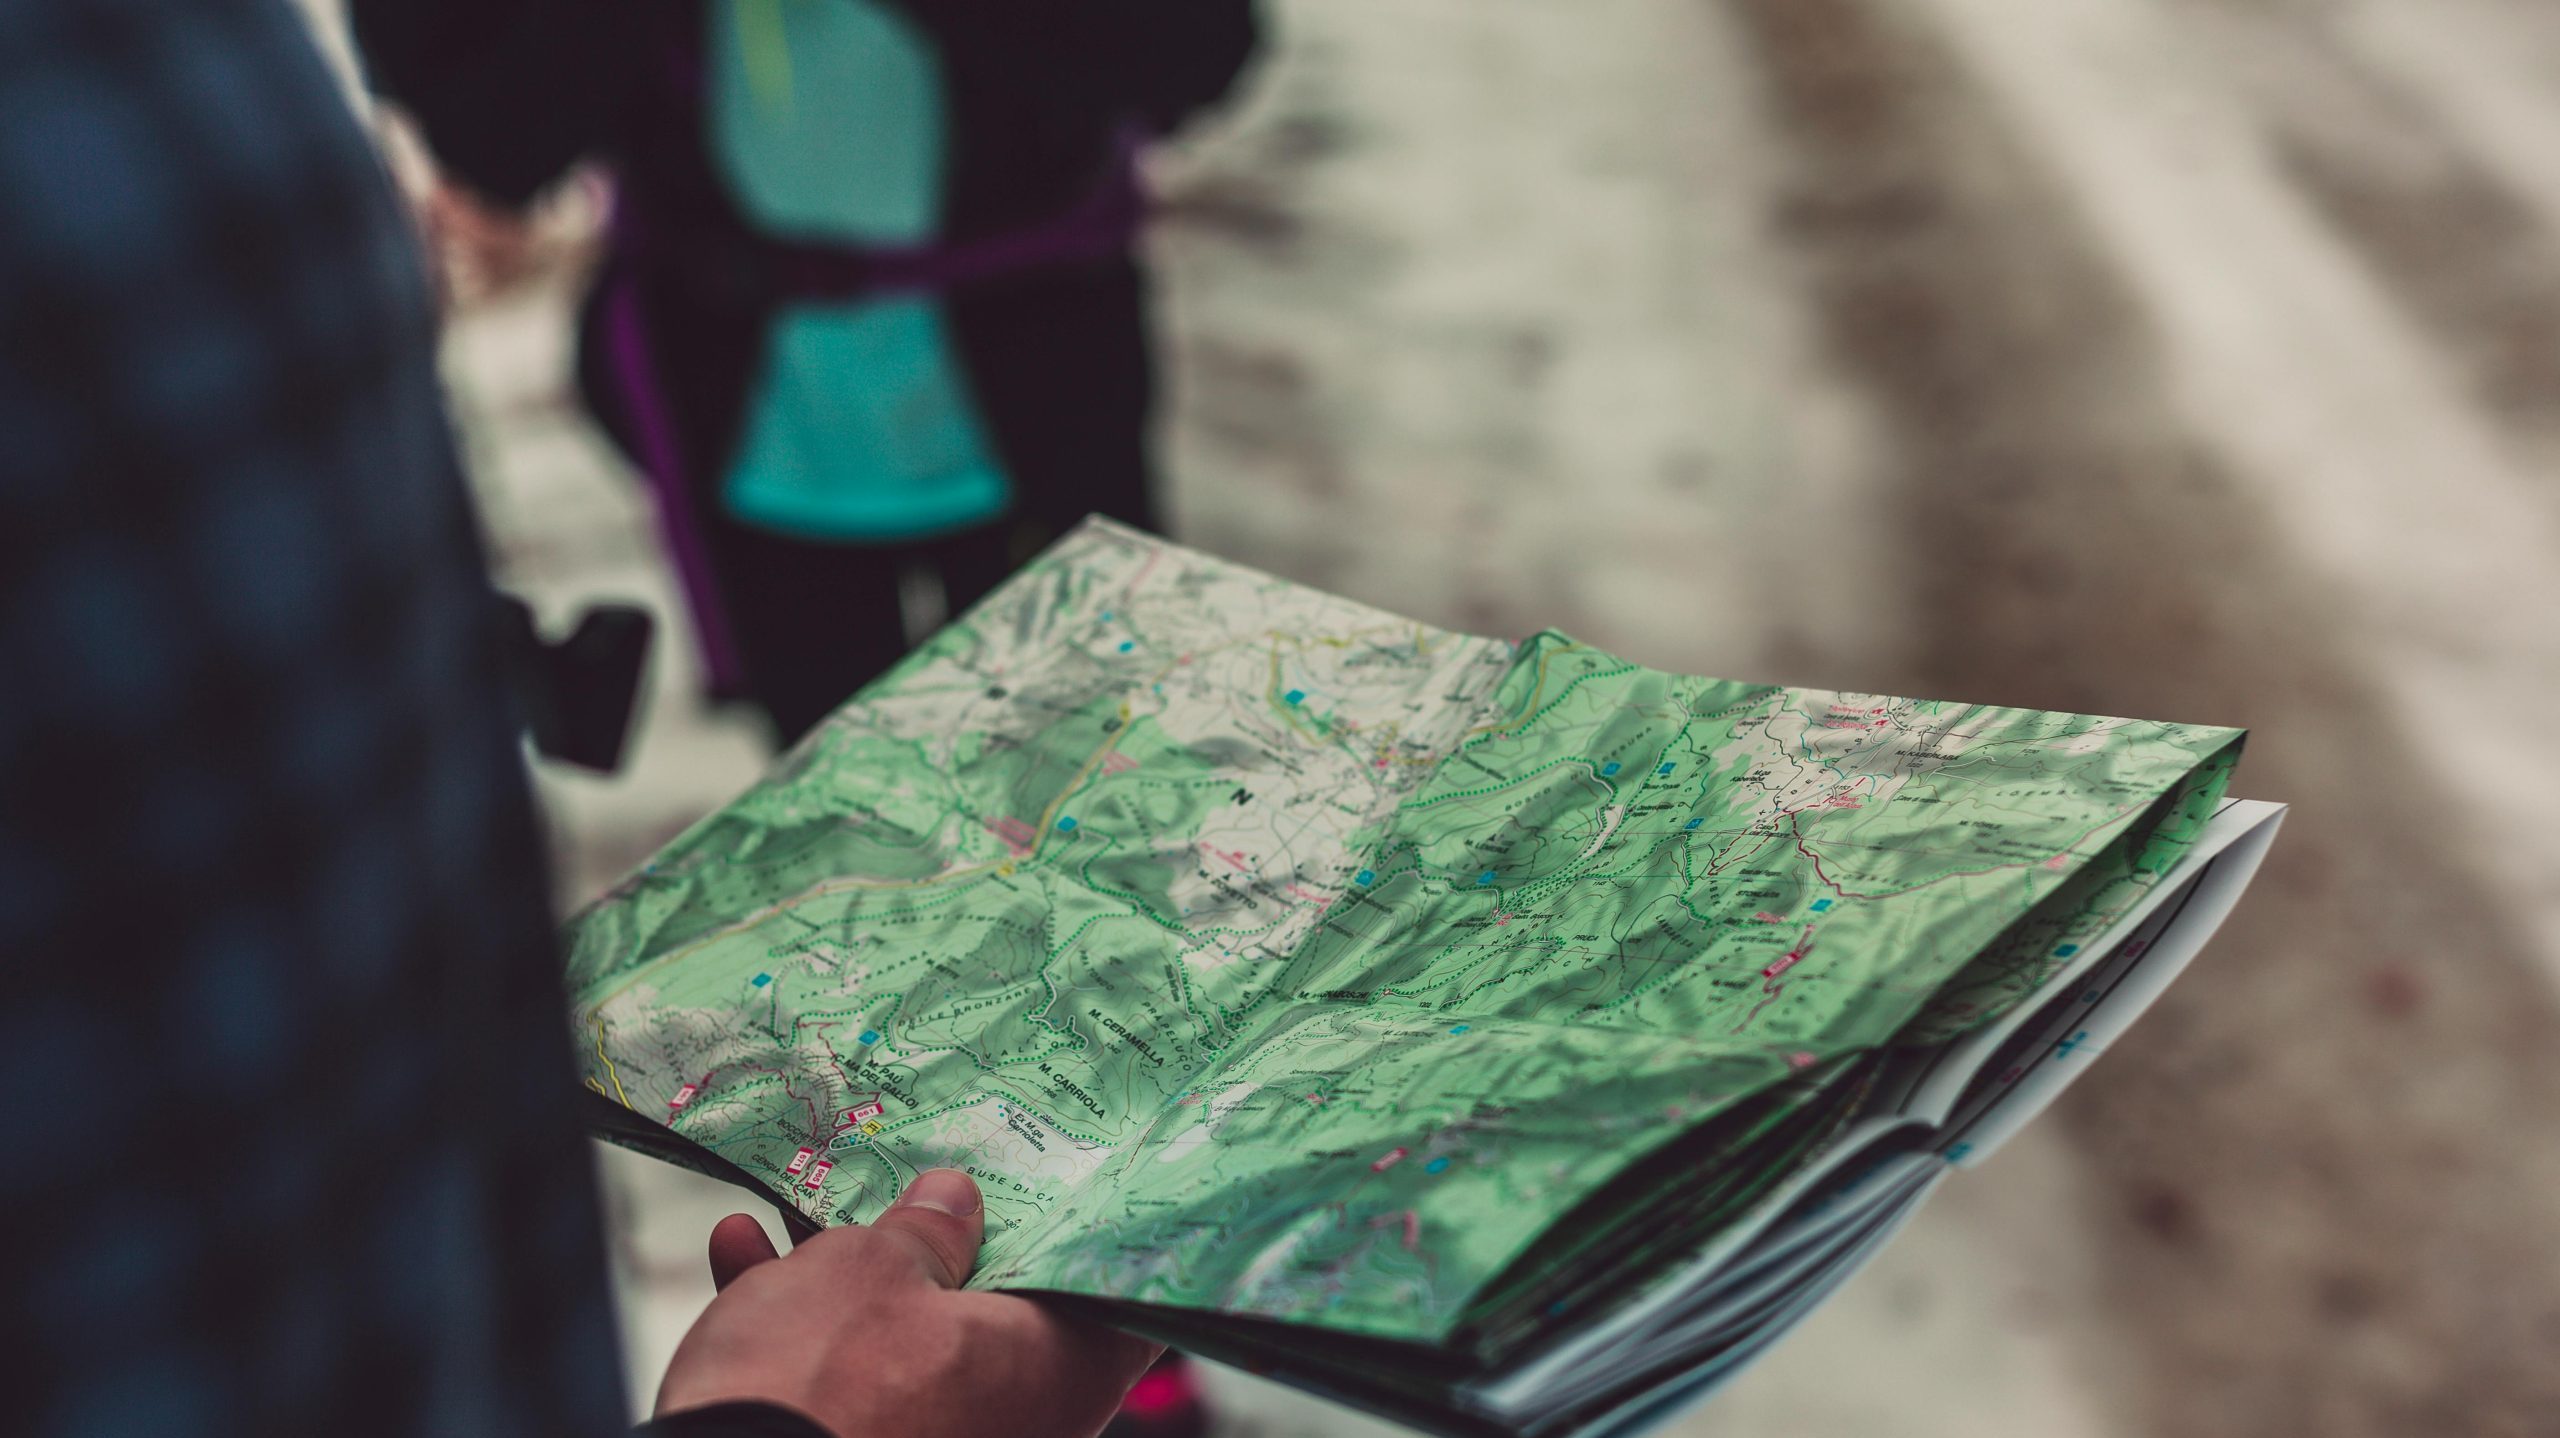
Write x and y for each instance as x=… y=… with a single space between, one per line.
x=827 y=120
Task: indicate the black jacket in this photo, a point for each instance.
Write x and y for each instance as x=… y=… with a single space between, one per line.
x=510 y=95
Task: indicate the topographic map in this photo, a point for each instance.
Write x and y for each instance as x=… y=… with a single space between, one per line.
x=1266 y=953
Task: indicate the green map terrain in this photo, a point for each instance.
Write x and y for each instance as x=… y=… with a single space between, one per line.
x=1264 y=953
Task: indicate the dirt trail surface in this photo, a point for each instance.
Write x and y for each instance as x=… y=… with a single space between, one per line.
x=2192 y=358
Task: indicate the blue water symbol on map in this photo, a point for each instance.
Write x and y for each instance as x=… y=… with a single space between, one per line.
x=1108 y=616
x=1667 y=768
x=1695 y=823
x=1437 y=1165
x=1822 y=906
x=2071 y=1045
x=761 y=980
x=1484 y=878
x=1367 y=876
x=870 y=1036
x=1609 y=769
x=1296 y=696
x=1458 y=1028
x=1066 y=823
x=1128 y=644
x=2066 y=951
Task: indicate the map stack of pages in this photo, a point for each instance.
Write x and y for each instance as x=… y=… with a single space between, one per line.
x=1504 y=1038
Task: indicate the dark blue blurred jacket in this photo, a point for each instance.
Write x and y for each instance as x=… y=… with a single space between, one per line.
x=291 y=1146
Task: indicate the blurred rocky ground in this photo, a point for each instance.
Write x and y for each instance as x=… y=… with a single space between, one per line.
x=2187 y=358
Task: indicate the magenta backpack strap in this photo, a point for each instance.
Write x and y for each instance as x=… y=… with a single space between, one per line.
x=653 y=436
x=1101 y=225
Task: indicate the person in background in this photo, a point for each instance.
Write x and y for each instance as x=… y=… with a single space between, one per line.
x=871 y=321
x=292 y=1144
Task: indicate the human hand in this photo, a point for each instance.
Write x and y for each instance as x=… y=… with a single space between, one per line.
x=867 y=1332
x=484 y=250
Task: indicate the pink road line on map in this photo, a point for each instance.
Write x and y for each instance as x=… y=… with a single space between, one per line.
x=694 y=1090
x=1841 y=716
x=1236 y=859
x=817 y=1126
x=1412 y=1230
x=1141 y=576
x=1318 y=900
x=1793 y=957
x=1408 y=1220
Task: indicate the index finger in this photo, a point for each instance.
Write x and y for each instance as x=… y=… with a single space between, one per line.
x=1082 y=1368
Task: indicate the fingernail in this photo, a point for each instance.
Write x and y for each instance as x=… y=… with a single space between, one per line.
x=944 y=1190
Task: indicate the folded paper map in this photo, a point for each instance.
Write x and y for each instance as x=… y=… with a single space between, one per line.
x=1504 y=1037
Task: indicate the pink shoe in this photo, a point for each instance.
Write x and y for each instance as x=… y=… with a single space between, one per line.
x=1167 y=1403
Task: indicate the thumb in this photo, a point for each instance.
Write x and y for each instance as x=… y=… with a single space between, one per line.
x=940 y=1219
x=738 y=1243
